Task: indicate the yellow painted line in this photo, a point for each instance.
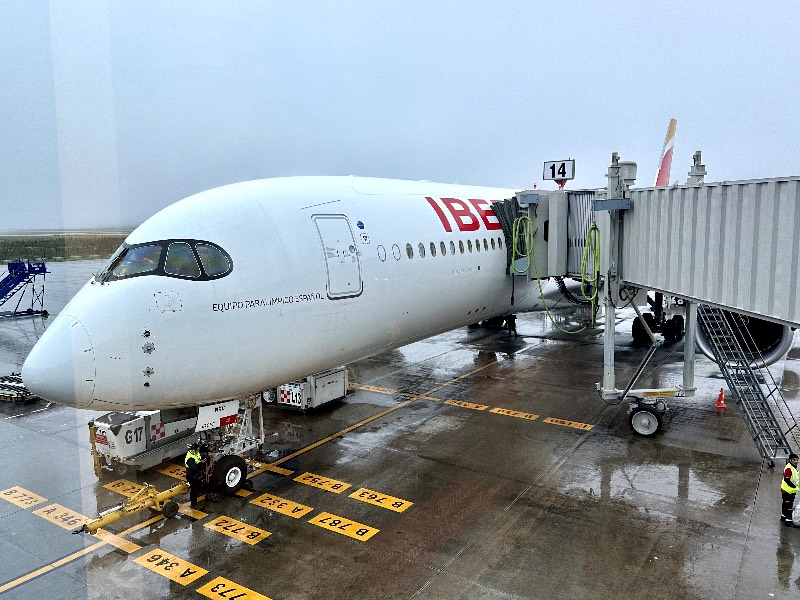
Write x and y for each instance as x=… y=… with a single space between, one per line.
x=243 y=493
x=117 y=541
x=323 y=483
x=460 y=377
x=238 y=530
x=574 y=424
x=340 y=433
x=380 y=390
x=469 y=405
x=176 y=471
x=63 y=517
x=420 y=397
x=124 y=487
x=186 y=509
x=382 y=500
x=22 y=497
x=228 y=590
x=659 y=393
x=271 y=468
x=68 y=559
x=170 y=566
x=282 y=505
x=47 y=568
x=357 y=531
x=352 y=384
x=514 y=413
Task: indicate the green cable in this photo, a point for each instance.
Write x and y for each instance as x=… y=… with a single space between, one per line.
x=522 y=227
x=592 y=244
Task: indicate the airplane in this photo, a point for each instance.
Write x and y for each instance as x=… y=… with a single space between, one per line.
x=248 y=286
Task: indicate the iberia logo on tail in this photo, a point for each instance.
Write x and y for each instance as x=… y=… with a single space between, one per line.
x=662 y=177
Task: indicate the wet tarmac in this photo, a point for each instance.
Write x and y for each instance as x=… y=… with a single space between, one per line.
x=482 y=466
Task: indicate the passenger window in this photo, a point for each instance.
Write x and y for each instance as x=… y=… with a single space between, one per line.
x=492 y=243
x=452 y=247
x=409 y=251
x=499 y=243
x=469 y=246
x=142 y=259
x=433 y=249
x=461 y=246
x=443 y=248
x=421 y=248
x=181 y=261
x=478 y=245
x=213 y=260
x=485 y=244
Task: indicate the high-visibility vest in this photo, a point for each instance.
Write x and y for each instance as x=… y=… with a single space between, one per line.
x=795 y=479
x=194 y=454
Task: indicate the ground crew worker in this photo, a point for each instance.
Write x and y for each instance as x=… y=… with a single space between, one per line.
x=195 y=472
x=511 y=325
x=789 y=488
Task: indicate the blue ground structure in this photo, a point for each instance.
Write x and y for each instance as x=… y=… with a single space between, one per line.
x=21 y=278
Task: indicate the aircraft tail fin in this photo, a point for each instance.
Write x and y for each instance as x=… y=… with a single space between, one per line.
x=662 y=177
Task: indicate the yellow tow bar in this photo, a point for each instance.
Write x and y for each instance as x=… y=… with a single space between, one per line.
x=147 y=497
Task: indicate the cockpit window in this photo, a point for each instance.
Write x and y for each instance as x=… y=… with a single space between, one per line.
x=138 y=260
x=214 y=261
x=181 y=261
x=168 y=258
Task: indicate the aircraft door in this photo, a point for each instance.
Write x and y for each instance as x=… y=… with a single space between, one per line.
x=341 y=256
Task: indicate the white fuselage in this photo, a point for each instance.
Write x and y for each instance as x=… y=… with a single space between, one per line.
x=326 y=270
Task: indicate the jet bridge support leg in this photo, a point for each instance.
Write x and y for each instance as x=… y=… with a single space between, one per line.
x=689 y=349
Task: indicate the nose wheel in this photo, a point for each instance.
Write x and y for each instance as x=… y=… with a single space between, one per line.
x=645 y=417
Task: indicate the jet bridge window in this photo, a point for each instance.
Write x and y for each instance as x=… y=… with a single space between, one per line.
x=181 y=261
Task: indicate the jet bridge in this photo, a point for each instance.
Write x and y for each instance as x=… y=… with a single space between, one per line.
x=729 y=245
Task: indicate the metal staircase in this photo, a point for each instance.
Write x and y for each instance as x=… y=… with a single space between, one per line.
x=20 y=276
x=753 y=389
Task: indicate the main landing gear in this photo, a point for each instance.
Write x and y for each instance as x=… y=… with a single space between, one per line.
x=672 y=329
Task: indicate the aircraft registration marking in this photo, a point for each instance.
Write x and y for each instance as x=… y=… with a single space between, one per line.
x=176 y=471
x=238 y=530
x=21 y=497
x=61 y=516
x=514 y=413
x=331 y=485
x=382 y=500
x=380 y=390
x=463 y=404
x=227 y=589
x=574 y=424
x=117 y=541
x=171 y=567
x=282 y=505
x=357 y=531
x=124 y=487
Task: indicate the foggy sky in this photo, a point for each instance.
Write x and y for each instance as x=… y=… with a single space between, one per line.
x=113 y=110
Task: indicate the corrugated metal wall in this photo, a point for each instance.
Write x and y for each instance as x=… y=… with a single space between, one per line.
x=735 y=244
x=579 y=218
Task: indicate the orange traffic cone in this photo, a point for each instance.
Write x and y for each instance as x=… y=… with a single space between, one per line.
x=721 y=399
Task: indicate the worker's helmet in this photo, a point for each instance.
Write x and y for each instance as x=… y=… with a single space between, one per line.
x=194 y=446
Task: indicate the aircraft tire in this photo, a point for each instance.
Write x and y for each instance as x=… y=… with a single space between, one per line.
x=229 y=475
x=645 y=421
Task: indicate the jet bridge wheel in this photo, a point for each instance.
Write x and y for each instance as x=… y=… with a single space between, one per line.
x=230 y=474
x=645 y=420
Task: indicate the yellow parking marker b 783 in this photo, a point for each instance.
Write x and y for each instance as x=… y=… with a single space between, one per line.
x=124 y=487
x=463 y=404
x=21 y=497
x=514 y=413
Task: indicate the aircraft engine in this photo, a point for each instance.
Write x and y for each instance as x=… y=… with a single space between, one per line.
x=763 y=341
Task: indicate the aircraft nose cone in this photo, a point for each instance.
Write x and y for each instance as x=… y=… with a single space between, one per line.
x=60 y=368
